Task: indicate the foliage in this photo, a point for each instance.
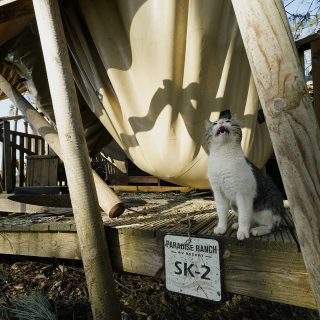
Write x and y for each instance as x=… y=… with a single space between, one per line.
x=303 y=16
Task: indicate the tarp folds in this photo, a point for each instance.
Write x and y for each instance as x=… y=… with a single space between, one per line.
x=153 y=71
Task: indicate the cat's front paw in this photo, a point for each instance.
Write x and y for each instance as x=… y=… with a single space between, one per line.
x=243 y=234
x=219 y=230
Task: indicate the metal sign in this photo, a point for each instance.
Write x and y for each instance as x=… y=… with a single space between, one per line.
x=193 y=266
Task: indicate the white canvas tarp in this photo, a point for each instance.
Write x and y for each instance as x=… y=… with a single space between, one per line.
x=152 y=71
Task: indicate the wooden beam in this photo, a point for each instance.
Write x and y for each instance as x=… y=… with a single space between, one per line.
x=304 y=44
x=18 y=147
x=267 y=274
x=290 y=118
x=143 y=179
x=150 y=188
x=41 y=244
x=7 y=118
x=94 y=250
x=271 y=274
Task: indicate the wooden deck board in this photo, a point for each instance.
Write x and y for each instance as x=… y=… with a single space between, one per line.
x=269 y=267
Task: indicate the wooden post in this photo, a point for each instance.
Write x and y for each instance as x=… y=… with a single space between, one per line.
x=108 y=200
x=290 y=118
x=21 y=160
x=315 y=55
x=7 y=168
x=94 y=250
x=14 y=157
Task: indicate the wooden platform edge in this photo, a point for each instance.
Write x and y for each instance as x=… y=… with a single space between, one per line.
x=127 y=188
x=265 y=274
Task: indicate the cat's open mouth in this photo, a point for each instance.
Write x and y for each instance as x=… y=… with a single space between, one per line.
x=222 y=131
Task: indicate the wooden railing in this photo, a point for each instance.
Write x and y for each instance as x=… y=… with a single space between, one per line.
x=15 y=147
x=312 y=43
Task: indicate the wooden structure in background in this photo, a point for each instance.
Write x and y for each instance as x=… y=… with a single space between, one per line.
x=16 y=146
x=270 y=267
x=312 y=43
x=42 y=170
x=108 y=201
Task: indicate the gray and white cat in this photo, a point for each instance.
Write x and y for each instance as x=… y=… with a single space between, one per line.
x=237 y=183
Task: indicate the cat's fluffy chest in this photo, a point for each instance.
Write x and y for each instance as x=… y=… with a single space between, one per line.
x=229 y=171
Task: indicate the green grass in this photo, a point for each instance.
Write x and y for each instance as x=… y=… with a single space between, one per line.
x=34 y=306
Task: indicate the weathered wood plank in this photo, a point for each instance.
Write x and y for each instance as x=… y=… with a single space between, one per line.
x=29 y=143
x=150 y=188
x=14 y=157
x=61 y=227
x=133 y=254
x=40 y=244
x=29 y=174
x=278 y=287
x=18 y=146
x=43 y=147
x=266 y=274
x=53 y=172
x=42 y=170
x=21 y=162
x=269 y=275
x=40 y=227
x=37 y=172
x=45 y=173
x=143 y=179
x=36 y=146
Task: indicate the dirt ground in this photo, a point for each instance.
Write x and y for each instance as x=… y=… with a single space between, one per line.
x=63 y=283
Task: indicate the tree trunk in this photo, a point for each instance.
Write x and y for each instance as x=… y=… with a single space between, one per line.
x=290 y=118
x=94 y=251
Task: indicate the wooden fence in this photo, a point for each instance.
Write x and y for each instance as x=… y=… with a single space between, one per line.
x=15 y=147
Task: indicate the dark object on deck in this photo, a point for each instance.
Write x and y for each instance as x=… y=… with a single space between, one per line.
x=43 y=196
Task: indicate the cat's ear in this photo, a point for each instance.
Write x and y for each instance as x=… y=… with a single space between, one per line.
x=225 y=114
x=208 y=124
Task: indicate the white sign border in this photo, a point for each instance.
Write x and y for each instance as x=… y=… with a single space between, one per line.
x=196 y=237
